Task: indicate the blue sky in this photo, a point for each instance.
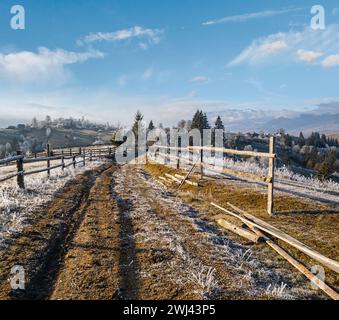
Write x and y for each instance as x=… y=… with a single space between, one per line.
x=105 y=59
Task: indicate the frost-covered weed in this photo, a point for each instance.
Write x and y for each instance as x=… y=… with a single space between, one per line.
x=17 y=205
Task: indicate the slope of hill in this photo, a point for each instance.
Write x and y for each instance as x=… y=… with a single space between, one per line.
x=59 y=137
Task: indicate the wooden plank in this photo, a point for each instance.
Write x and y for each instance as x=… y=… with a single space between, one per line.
x=33 y=160
x=238 y=152
x=195 y=184
x=172 y=177
x=300 y=267
x=223 y=150
x=264 y=226
x=10 y=176
x=241 y=174
x=11 y=159
x=188 y=174
x=43 y=170
x=239 y=231
x=165 y=180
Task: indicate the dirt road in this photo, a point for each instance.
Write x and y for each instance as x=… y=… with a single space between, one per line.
x=114 y=233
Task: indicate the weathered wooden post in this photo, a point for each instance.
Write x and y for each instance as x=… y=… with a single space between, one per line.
x=74 y=161
x=178 y=157
x=270 y=202
x=201 y=161
x=70 y=152
x=62 y=161
x=84 y=155
x=48 y=160
x=90 y=156
x=20 y=168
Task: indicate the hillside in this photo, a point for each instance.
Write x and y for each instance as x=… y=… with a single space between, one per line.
x=60 y=137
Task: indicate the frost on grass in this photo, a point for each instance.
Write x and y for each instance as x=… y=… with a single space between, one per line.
x=17 y=206
x=187 y=270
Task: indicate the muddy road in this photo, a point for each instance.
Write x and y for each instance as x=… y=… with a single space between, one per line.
x=114 y=233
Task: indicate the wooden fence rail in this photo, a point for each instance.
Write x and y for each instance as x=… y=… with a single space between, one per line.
x=20 y=160
x=199 y=151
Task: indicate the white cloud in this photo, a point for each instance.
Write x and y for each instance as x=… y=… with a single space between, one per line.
x=331 y=61
x=27 y=66
x=259 y=50
x=153 y=36
x=200 y=79
x=306 y=44
x=250 y=16
x=308 y=55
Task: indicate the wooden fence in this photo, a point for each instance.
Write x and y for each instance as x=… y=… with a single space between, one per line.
x=77 y=156
x=271 y=156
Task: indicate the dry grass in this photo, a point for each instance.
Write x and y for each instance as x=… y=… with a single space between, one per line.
x=316 y=228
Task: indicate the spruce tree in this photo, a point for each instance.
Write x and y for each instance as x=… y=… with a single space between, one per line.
x=219 y=124
x=151 y=126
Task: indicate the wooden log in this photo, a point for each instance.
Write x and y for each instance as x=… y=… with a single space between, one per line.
x=300 y=267
x=188 y=174
x=173 y=178
x=264 y=226
x=187 y=181
x=164 y=179
x=11 y=159
x=228 y=151
x=11 y=176
x=237 y=173
x=239 y=231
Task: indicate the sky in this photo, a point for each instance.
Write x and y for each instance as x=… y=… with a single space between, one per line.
x=106 y=59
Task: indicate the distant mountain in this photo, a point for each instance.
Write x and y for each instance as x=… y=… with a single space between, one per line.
x=307 y=123
x=269 y=121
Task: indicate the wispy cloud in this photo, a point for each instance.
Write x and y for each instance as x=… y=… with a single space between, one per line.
x=260 y=50
x=331 y=61
x=200 y=79
x=27 y=66
x=308 y=55
x=294 y=46
x=250 y=16
x=149 y=36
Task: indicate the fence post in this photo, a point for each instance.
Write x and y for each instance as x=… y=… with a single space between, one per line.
x=62 y=160
x=20 y=167
x=201 y=161
x=70 y=152
x=48 y=161
x=84 y=155
x=74 y=159
x=178 y=157
x=90 y=156
x=270 y=202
